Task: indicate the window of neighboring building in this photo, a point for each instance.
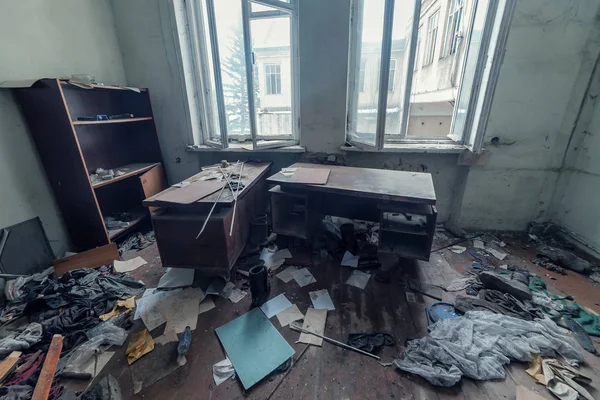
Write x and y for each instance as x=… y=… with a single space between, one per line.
x=231 y=40
x=273 y=78
x=441 y=104
x=455 y=9
x=432 y=31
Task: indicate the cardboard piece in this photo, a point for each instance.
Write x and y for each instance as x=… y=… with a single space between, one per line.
x=181 y=309
x=147 y=308
x=254 y=346
x=206 y=305
x=275 y=305
x=321 y=300
x=129 y=265
x=289 y=315
x=314 y=321
x=313 y=176
x=191 y=193
x=358 y=279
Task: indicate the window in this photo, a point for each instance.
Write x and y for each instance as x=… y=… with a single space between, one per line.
x=432 y=30
x=231 y=41
x=273 y=78
x=361 y=84
x=453 y=27
x=443 y=104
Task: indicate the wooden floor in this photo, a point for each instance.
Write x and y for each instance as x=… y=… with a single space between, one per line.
x=330 y=372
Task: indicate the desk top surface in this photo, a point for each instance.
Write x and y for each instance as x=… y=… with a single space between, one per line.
x=251 y=173
x=405 y=186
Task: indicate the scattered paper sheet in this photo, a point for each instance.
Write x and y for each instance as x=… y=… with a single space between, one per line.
x=287 y=274
x=222 y=371
x=303 y=277
x=478 y=244
x=236 y=295
x=146 y=307
x=274 y=260
x=321 y=300
x=206 y=305
x=358 y=279
x=350 y=260
x=289 y=315
x=176 y=278
x=94 y=367
x=496 y=253
x=129 y=265
x=314 y=322
x=226 y=292
x=458 y=249
x=275 y=305
x=181 y=309
x=140 y=343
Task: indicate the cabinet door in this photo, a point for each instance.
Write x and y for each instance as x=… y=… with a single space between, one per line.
x=153 y=181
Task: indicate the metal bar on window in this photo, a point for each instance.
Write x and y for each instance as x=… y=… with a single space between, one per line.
x=410 y=70
x=210 y=8
x=276 y=4
x=268 y=14
x=249 y=68
x=384 y=72
x=295 y=69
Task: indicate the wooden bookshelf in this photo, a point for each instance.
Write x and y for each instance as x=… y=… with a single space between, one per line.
x=72 y=150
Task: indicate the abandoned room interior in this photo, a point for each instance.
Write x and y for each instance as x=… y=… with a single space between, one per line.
x=299 y=199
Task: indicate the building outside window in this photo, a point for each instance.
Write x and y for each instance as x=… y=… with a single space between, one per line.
x=273 y=78
x=432 y=32
x=361 y=84
x=453 y=27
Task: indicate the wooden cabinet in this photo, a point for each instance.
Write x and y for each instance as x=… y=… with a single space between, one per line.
x=122 y=137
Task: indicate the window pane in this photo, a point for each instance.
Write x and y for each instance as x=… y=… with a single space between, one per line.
x=259 y=7
x=434 y=85
x=401 y=35
x=212 y=124
x=365 y=119
x=228 y=15
x=273 y=76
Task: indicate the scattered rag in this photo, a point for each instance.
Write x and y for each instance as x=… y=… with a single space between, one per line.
x=500 y=303
x=461 y=283
x=370 y=342
x=23 y=340
x=561 y=379
x=480 y=343
x=141 y=343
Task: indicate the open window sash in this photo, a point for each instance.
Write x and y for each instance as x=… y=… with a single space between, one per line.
x=485 y=52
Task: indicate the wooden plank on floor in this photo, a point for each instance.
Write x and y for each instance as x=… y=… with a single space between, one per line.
x=88 y=259
x=8 y=364
x=44 y=383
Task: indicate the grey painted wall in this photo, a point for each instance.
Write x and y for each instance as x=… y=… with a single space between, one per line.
x=39 y=38
x=542 y=82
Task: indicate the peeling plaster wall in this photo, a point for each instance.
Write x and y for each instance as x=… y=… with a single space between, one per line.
x=539 y=93
x=46 y=39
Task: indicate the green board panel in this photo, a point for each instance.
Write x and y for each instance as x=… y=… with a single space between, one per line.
x=254 y=346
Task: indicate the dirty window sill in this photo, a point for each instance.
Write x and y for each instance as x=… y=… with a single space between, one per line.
x=239 y=148
x=437 y=148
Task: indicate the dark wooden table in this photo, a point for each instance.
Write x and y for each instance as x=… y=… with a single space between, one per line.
x=215 y=251
x=402 y=202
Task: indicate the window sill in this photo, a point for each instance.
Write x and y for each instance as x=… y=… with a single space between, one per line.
x=437 y=148
x=239 y=148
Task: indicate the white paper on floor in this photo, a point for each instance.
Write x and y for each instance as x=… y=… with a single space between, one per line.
x=222 y=371
x=176 y=278
x=236 y=295
x=146 y=308
x=321 y=300
x=226 y=292
x=275 y=305
x=496 y=253
x=350 y=260
x=303 y=277
x=181 y=310
x=206 y=305
x=458 y=249
x=478 y=244
x=358 y=279
x=289 y=315
x=274 y=260
x=129 y=265
x=287 y=274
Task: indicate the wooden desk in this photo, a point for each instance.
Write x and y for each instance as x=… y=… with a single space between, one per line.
x=402 y=202
x=215 y=252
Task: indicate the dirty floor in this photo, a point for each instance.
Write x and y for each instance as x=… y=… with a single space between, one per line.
x=330 y=372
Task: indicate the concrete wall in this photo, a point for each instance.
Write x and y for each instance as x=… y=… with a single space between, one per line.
x=538 y=95
x=39 y=38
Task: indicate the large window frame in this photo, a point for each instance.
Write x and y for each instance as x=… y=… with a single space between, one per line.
x=469 y=132
x=208 y=82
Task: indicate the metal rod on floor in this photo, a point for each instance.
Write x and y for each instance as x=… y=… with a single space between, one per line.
x=211 y=211
x=235 y=197
x=298 y=328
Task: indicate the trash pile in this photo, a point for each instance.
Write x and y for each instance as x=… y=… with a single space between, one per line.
x=85 y=311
